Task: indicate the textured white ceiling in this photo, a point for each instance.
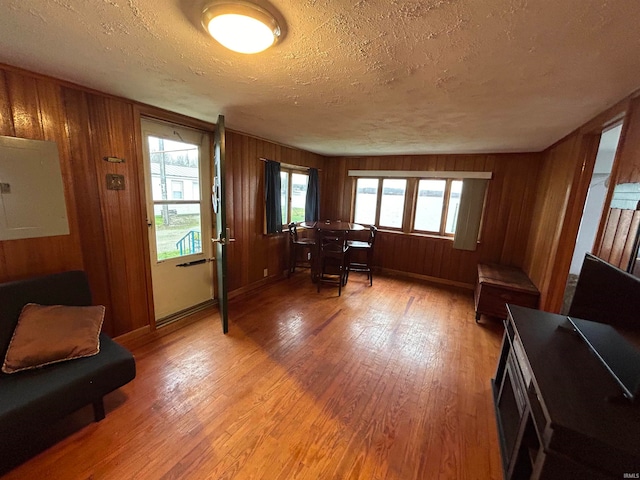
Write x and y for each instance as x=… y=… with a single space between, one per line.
x=351 y=77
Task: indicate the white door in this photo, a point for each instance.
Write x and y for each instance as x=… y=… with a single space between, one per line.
x=177 y=178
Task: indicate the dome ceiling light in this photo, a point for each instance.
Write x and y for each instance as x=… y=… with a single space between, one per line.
x=241 y=26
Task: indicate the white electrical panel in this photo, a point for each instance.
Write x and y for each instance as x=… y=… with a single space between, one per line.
x=32 y=202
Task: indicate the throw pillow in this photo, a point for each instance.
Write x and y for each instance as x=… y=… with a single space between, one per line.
x=48 y=334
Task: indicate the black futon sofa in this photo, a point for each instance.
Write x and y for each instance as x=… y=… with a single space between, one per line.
x=32 y=399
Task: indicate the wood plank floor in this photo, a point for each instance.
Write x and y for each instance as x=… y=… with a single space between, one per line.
x=384 y=382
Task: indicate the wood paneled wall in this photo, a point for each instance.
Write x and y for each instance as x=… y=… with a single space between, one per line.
x=108 y=236
x=105 y=127
x=33 y=108
x=619 y=233
x=107 y=229
x=253 y=251
x=506 y=221
x=561 y=195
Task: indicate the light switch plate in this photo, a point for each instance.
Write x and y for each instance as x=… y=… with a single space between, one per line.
x=115 y=181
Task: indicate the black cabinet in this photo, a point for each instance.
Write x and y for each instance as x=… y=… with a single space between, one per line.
x=560 y=413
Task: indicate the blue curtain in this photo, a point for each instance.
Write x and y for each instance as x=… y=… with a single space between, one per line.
x=312 y=205
x=272 y=194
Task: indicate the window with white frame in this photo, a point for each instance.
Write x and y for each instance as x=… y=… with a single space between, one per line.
x=392 y=202
x=293 y=194
x=437 y=205
x=366 y=200
x=419 y=203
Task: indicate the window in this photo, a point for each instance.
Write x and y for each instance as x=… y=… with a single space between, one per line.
x=284 y=196
x=455 y=191
x=178 y=219
x=195 y=191
x=177 y=189
x=387 y=203
x=366 y=200
x=392 y=202
x=437 y=206
x=429 y=205
x=293 y=192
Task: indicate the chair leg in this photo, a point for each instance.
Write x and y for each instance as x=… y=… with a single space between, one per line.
x=291 y=259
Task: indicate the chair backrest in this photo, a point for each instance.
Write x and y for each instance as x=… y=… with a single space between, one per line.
x=373 y=230
x=332 y=241
x=293 y=232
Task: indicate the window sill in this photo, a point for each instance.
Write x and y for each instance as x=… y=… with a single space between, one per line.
x=430 y=236
x=416 y=234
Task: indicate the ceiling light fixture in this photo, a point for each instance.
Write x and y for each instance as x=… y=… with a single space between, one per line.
x=241 y=26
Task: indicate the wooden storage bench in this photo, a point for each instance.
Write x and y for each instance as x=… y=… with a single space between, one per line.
x=500 y=284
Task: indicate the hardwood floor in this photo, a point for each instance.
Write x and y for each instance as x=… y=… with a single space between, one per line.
x=384 y=382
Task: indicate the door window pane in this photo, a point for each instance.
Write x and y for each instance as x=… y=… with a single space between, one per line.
x=177 y=230
x=171 y=161
x=284 y=195
x=177 y=225
x=454 y=206
x=366 y=200
x=392 y=203
x=299 y=183
x=429 y=205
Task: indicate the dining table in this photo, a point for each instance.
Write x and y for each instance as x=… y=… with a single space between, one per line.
x=333 y=225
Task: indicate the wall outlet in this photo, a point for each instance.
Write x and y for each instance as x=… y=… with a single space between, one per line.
x=266 y=272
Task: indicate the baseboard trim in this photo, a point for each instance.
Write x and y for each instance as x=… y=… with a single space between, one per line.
x=247 y=289
x=128 y=339
x=144 y=335
x=174 y=317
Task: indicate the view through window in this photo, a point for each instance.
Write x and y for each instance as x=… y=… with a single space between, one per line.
x=383 y=202
x=392 y=202
x=293 y=195
x=366 y=200
x=176 y=197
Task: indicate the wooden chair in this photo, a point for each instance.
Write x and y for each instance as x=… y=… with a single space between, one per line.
x=360 y=257
x=299 y=247
x=332 y=258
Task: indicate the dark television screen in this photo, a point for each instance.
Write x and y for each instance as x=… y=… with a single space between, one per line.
x=606 y=294
x=617 y=355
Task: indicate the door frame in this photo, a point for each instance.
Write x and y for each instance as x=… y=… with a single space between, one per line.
x=189 y=300
x=152 y=113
